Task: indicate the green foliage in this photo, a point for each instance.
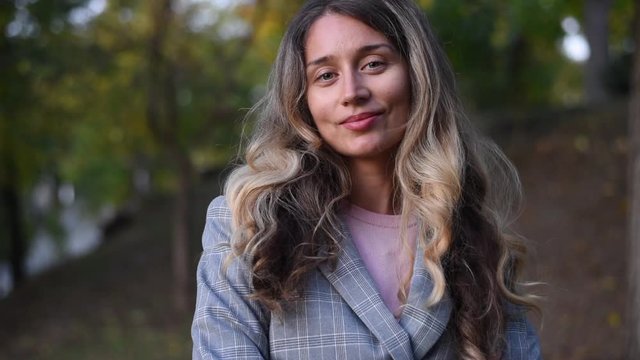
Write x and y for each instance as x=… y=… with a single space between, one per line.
x=507 y=53
x=503 y=51
x=74 y=97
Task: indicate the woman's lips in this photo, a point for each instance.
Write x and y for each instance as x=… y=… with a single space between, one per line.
x=360 y=122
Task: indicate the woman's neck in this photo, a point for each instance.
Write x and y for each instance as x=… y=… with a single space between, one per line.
x=372 y=185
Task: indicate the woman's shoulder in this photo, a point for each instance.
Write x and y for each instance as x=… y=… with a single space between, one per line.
x=218 y=208
x=217 y=231
x=522 y=339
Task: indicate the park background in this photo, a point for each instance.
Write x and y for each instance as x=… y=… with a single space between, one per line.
x=119 y=119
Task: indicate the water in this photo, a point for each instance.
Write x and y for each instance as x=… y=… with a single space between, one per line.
x=81 y=229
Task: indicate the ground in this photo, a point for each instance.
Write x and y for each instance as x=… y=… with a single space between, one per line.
x=115 y=303
x=575 y=219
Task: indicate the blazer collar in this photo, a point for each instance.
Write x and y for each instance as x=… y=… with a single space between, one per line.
x=418 y=328
x=425 y=325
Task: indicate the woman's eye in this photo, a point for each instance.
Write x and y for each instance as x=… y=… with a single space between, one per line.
x=326 y=76
x=373 y=65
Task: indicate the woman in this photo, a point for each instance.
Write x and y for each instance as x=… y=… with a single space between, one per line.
x=365 y=223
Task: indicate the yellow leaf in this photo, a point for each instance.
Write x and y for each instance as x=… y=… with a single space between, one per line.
x=614 y=319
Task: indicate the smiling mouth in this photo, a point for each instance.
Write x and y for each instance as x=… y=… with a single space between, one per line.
x=360 y=117
x=360 y=122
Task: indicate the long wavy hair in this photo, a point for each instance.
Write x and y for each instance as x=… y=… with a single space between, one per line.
x=285 y=198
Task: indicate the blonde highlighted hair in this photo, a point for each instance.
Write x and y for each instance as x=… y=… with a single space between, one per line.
x=286 y=196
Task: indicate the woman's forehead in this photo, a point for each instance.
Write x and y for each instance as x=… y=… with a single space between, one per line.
x=335 y=33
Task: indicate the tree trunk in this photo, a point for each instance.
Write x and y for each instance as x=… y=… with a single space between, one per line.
x=182 y=231
x=596 y=15
x=163 y=119
x=634 y=196
x=10 y=202
x=13 y=211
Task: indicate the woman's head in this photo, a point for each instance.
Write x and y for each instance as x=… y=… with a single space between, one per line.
x=401 y=23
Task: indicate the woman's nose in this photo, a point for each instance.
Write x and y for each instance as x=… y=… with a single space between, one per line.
x=354 y=89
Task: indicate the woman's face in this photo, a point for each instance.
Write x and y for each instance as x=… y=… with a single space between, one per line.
x=358 y=87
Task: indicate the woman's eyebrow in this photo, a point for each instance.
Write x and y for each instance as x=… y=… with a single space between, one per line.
x=320 y=60
x=363 y=49
x=372 y=47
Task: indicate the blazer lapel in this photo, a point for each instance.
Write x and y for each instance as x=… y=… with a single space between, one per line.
x=425 y=325
x=354 y=284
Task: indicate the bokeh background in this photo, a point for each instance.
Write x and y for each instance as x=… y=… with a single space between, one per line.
x=119 y=119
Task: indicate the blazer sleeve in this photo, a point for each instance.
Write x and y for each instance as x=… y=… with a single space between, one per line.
x=226 y=323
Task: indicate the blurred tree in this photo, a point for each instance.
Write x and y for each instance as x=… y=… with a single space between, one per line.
x=9 y=178
x=503 y=51
x=508 y=53
x=596 y=18
x=634 y=200
x=74 y=98
x=163 y=118
x=27 y=128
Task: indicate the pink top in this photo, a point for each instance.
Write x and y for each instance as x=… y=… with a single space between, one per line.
x=377 y=238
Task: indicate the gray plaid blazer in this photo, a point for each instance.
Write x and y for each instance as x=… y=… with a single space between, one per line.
x=340 y=317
